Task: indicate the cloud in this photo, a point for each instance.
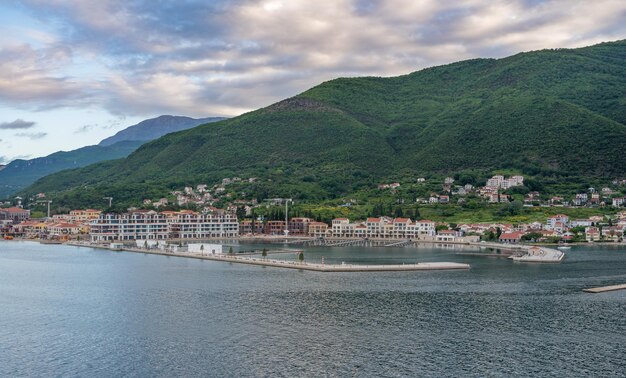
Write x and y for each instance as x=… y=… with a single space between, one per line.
x=31 y=77
x=227 y=57
x=33 y=136
x=17 y=124
x=85 y=128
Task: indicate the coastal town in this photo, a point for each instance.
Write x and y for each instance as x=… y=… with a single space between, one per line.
x=196 y=217
x=98 y=227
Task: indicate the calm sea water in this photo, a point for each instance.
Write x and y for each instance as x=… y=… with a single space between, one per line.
x=67 y=311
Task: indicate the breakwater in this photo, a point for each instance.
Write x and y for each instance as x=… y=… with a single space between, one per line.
x=294 y=264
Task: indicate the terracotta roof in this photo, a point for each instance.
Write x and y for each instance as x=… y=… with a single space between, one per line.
x=512 y=235
x=401 y=220
x=14 y=210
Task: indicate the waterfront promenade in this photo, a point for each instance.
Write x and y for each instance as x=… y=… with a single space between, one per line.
x=292 y=264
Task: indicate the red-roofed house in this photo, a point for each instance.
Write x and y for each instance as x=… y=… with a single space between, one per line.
x=511 y=237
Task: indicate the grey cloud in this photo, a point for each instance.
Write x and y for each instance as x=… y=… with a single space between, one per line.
x=33 y=81
x=232 y=56
x=32 y=136
x=85 y=128
x=17 y=124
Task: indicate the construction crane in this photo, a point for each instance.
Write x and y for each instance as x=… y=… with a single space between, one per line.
x=48 y=202
x=110 y=200
x=287 y=200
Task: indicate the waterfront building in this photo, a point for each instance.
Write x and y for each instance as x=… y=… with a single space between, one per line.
x=341 y=227
x=299 y=226
x=204 y=248
x=151 y=225
x=275 y=227
x=250 y=227
x=317 y=229
x=592 y=234
x=15 y=214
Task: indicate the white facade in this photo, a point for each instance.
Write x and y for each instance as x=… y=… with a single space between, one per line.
x=204 y=248
x=150 y=225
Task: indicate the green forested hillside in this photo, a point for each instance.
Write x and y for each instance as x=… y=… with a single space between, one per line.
x=551 y=112
x=20 y=173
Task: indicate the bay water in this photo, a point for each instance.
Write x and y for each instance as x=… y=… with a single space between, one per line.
x=69 y=311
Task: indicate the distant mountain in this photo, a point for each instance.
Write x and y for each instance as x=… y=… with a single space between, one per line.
x=554 y=113
x=156 y=127
x=2 y=166
x=20 y=173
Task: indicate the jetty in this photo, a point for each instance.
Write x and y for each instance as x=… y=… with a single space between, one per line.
x=604 y=289
x=293 y=264
x=540 y=255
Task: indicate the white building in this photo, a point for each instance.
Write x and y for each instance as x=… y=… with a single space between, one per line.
x=204 y=248
x=150 y=225
x=557 y=221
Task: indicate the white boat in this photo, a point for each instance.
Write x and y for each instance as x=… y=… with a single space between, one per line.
x=564 y=247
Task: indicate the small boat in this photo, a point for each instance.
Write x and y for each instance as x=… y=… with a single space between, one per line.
x=564 y=247
x=8 y=237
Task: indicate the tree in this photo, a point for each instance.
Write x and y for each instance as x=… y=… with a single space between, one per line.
x=145 y=244
x=202 y=249
x=301 y=256
x=264 y=252
x=398 y=212
x=533 y=236
x=489 y=235
x=230 y=250
x=241 y=212
x=417 y=213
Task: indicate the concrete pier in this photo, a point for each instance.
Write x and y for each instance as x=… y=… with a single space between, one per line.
x=605 y=288
x=298 y=265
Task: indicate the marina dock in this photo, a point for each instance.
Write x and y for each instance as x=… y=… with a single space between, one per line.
x=604 y=289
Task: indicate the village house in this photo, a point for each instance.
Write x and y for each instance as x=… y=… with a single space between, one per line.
x=559 y=218
x=618 y=201
x=581 y=223
x=449 y=236
x=592 y=234
x=511 y=237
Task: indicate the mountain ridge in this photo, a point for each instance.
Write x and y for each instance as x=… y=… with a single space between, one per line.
x=20 y=173
x=153 y=128
x=546 y=112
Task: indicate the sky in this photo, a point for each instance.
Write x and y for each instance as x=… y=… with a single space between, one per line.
x=73 y=72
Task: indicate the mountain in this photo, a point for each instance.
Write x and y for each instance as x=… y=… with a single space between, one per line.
x=20 y=173
x=156 y=127
x=548 y=112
